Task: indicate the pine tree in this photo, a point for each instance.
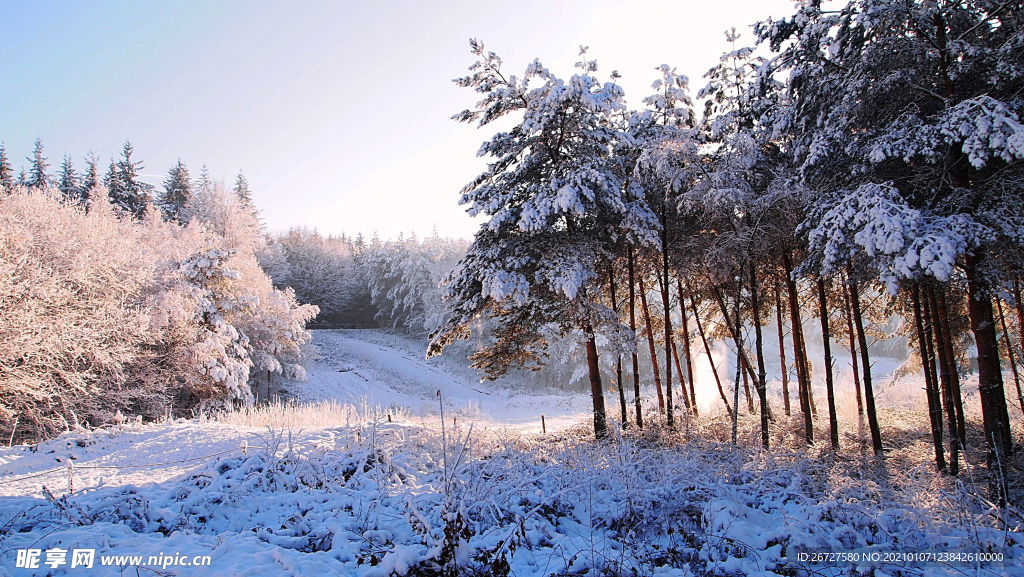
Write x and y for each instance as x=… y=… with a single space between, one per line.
x=904 y=119
x=244 y=195
x=38 y=178
x=129 y=194
x=554 y=203
x=112 y=180
x=242 y=190
x=90 y=179
x=177 y=194
x=68 y=181
x=22 y=179
x=6 y=170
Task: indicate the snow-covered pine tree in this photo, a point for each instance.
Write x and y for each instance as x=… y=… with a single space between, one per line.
x=177 y=193
x=554 y=205
x=38 y=178
x=241 y=190
x=68 y=182
x=90 y=178
x=130 y=195
x=244 y=195
x=6 y=170
x=112 y=181
x=905 y=119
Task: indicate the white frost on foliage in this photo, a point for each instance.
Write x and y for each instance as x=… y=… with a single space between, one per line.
x=903 y=241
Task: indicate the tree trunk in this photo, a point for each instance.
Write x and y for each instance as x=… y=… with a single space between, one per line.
x=679 y=373
x=990 y=379
x=735 y=334
x=636 y=358
x=947 y=372
x=762 y=388
x=686 y=347
x=869 y=393
x=669 y=340
x=782 y=349
x=833 y=421
x=707 y=349
x=853 y=352
x=596 y=390
x=618 y=358
x=954 y=373
x=739 y=358
x=798 y=350
x=650 y=342
x=1009 y=352
x=927 y=364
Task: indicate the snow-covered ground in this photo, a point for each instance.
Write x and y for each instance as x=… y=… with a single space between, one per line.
x=358 y=478
x=380 y=369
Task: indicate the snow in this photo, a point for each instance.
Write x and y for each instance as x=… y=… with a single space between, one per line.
x=373 y=491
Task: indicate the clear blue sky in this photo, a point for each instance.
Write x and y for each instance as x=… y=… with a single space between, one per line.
x=337 y=112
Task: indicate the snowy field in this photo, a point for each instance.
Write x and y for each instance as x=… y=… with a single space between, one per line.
x=358 y=478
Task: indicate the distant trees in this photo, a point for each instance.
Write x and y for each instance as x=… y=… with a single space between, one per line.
x=38 y=177
x=108 y=307
x=177 y=194
x=126 y=191
x=68 y=182
x=6 y=170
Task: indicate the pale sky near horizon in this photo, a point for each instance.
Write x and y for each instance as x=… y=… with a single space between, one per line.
x=337 y=112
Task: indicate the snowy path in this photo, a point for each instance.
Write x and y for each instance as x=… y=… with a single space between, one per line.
x=358 y=366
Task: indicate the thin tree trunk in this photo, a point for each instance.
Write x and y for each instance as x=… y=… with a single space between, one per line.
x=735 y=334
x=1020 y=314
x=869 y=393
x=596 y=390
x=650 y=342
x=618 y=358
x=707 y=349
x=947 y=370
x=679 y=373
x=833 y=421
x=995 y=416
x=782 y=349
x=762 y=388
x=686 y=347
x=927 y=364
x=669 y=340
x=746 y=389
x=739 y=358
x=853 y=351
x=1009 y=352
x=798 y=350
x=636 y=358
x=954 y=373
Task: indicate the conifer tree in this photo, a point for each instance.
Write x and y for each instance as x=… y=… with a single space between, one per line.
x=905 y=120
x=6 y=170
x=38 y=178
x=242 y=190
x=68 y=181
x=90 y=178
x=177 y=194
x=555 y=206
x=130 y=194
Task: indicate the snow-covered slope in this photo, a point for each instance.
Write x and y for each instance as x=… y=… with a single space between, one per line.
x=380 y=369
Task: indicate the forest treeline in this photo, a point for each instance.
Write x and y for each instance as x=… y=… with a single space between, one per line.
x=118 y=300
x=866 y=153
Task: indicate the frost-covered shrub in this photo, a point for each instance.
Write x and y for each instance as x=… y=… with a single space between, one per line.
x=100 y=314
